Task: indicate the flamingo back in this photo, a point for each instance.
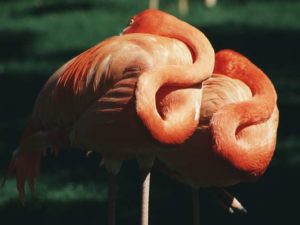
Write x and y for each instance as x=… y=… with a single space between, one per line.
x=87 y=77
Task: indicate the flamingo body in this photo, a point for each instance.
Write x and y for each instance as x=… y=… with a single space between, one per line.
x=145 y=93
x=92 y=74
x=93 y=96
x=86 y=98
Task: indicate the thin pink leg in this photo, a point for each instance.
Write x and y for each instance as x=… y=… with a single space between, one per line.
x=145 y=197
x=145 y=163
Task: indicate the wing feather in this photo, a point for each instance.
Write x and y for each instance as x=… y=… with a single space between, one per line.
x=90 y=75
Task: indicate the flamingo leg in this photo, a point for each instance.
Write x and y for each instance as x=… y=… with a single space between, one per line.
x=145 y=164
x=196 y=209
x=145 y=192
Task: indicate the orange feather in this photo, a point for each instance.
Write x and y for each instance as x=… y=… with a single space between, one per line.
x=141 y=94
x=236 y=136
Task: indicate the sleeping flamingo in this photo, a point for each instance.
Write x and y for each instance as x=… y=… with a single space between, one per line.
x=237 y=131
x=94 y=98
x=103 y=99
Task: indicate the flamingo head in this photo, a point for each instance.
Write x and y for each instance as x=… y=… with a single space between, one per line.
x=148 y=21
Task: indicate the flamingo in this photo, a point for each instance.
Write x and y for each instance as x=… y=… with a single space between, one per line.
x=92 y=100
x=236 y=136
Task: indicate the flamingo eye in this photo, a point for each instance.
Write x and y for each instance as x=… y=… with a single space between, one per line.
x=130 y=22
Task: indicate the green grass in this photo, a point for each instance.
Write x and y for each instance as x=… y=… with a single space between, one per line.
x=49 y=190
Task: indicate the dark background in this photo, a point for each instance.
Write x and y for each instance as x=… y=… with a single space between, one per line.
x=37 y=36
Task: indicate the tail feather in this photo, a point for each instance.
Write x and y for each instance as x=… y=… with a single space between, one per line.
x=26 y=159
x=34 y=171
x=27 y=168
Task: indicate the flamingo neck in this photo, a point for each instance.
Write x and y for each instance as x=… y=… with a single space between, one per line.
x=233 y=118
x=167 y=131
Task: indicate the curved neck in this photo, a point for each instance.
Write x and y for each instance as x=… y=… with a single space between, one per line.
x=180 y=75
x=180 y=122
x=159 y=23
x=249 y=154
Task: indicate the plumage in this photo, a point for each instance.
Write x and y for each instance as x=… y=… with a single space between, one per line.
x=224 y=150
x=87 y=93
x=141 y=95
x=83 y=100
x=75 y=86
x=169 y=131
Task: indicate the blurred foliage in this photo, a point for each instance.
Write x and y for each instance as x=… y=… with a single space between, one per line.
x=37 y=36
